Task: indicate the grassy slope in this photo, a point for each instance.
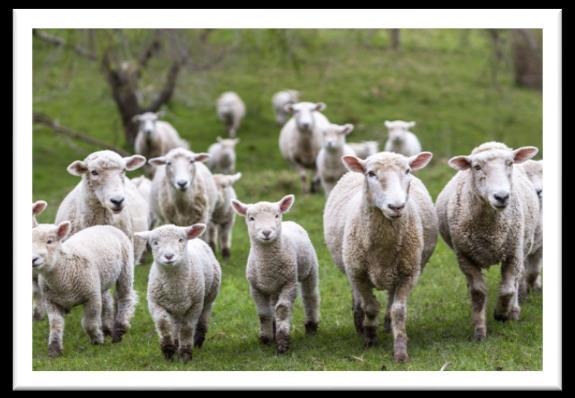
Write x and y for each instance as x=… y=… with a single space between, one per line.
x=433 y=80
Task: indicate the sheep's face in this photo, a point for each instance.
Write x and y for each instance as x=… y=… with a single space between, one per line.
x=397 y=130
x=534 y=171
x=334 y=136
x=180 y=167
x=104 y=172
x=303 y=113
x=46 y=243
x=147 y=123
x=169 y=242
x=492 y=172
x=37 y=208
x=224 y=181
x=228 y=148
x=387 y=179
x=264 y=219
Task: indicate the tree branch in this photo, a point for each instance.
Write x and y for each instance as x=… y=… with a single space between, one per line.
x=58 y=41
x=168 y=89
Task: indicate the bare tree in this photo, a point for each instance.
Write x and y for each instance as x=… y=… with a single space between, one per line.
x=394 y=38
x=527 y=58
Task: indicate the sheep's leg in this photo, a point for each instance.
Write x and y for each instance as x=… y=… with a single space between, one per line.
x=92 y=320
x=387 y=319
x=303 y=178
x=315 y=182
x=107 y=313
x=265 y=315
x=187 y=332
x=398 y=316
x=165 y=329
x=202 y=326
x=39 y=304
x=283 y=312
x=478 y=292
x=507 y=307
x=370 y=306
x=126 y=299
x=533 y=270
x=310 y=298
x=358 y=312
x=225 y=239
x=56 y=322
x=211 y=235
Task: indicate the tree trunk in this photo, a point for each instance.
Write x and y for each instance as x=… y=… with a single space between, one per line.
x=394 y=36
x=527 y=59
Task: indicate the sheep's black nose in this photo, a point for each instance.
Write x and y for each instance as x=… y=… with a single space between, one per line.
x=168 y=256
x=539 y=192
x=501 y=196
x=267 y=233
x=396 y=207
x=117 y=201
x=182 y=183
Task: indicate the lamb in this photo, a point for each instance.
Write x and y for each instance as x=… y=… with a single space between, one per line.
x=105 y=196
x=400 y=139
x=144 y=186
x=380 y=228
x=488 y=214
x=231 y=111
x=39 y=310
x=301 y=137
x=223 y=217
x=183 y=190
x=280 y=100
x=81 y=270
x=364 y=149
x=281 y=256
x=155 y=137
x=223 y=156
x=183 y=284
x=329 y=165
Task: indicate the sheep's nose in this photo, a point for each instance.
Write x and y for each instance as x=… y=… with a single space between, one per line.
x=539 y=192
x=501 y=197
x=182 y=183
x=117 y=200
x=35 y=260
x=168 y=256
x=396 y=207
x=267 y=233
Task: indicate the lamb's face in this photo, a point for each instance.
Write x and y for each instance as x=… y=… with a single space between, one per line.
x=147 y=123
x=105 y=175
x=180 y=167
x=46 y=243
x=334 y=136
x=228 y=147
x=397 y=130
x=387 y=179
x=169 y=242
x=304 y=114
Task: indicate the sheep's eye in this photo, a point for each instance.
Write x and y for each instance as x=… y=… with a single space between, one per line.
x=509 y=163
x=94 y=172
x=181 y=240
x=277 y=216
x=407 y=171
x=155 y=243
x=50 y=241
x=168 y=163
x=371 y=174
x=477 y=167
x=251 y=219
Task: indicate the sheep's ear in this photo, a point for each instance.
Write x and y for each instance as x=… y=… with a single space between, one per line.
x=161 y=113
x=143 y=234
x=387 y=123
x=201 y=157
x=234 y=178
x=354 y=164
x=320 y=106
x=410 y=125
x=419 y=161
x=134 y=162
x=288 y=108
x=38 y=207
x=460 y=162
x=77 y=168
x=136 y=118
x=63 y=229
x=347 y=128
x=159 y=161
x=522 y=154
x=195 y=230
x=219 y=139
x=239 y=207
x=236 y=141
x=286 y=203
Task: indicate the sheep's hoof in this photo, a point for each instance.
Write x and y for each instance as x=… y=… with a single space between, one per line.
x=118 y=333
x=311 y=328
x=226 y=253
x=358 y=315
x=282 y=341
x=200 y=336
x=265 y=340
x=185 y=354
x=400 y=356
x=54 y=350
x=387 y=323
x=370 y=336
x=107 y=331
x=37 y=315
x=97 y=340
x=514 y=314
x=168 y=350
x=501 y=317
x=479 y=334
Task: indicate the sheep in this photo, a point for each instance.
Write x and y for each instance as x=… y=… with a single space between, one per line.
x=380 y=228
x=81 y=270
x=281 y=256
x=400 y=139
x=223 y=217
x=105 y=196
x=223 y=156
x=155 y=137
x=488 y=213
x=39 y=310
x=183 y=284
x=329 y=165
x=364 y=149
x=183 y=190
x=144 y=186
x=231 y=111
x=301 y=137
x=280 y=100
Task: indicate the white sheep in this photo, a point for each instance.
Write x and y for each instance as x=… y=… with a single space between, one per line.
x=183 y=284
x=364 y=149
x=329 y=165
x=144 y=186
x=380 y=228
x=183 y=190
x=223 y=217
x=400 y=139
x=223 y=155
x=105 y=196
x=488 y=214
x=81 y=270
x=39 y=309
x=231 y=110
x=155 y=137
x=301 y=137
x=281 y=257
x=280 y=100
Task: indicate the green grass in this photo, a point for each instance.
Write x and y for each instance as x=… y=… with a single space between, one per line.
x=433 y=80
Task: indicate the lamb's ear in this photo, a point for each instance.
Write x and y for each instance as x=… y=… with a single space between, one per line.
x=143 y=234
x=195 y=230
x=219 y=139
x=354 y=163
x=239 y=207
x=346 y=129
x=136 y=118
x=38 y=207
x=63 y=229
x=460 y=162
x=522 y=154
x=236 y=141
x=77 y=168
x=286 y=203
x=161 y=113
x=288 y=108
x=201 y=157
x=159 y=161
x=234 y=178
x=419 y=161
x=134 y=162
x=387 y=123
x=410 y=125
x=320 y=106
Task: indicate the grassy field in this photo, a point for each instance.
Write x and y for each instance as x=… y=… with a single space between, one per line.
x=436 y=80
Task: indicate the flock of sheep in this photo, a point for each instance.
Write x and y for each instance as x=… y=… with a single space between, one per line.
x=380 y=226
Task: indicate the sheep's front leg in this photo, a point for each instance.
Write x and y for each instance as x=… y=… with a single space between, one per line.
x=387 y=319
x=210 y=235
x=265 y=315
x=187 y=331
x=398 y=314
x=107 y=313
x=508 y=302
x=315 y=182
x=202 y=326
x=56 y=322
x=92 y=320
x=283 y=312
x=310 y=298
x=357 y=310
x=370 y=306
x=39 y=304
x=533 y=270
x=225 y=239
x=165 y=329
x=478 y=292
x=303 y=178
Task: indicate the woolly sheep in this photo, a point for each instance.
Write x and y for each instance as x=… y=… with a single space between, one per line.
x=39 y=310
x=182 y=286
x=144 y=186
x=223 y=217
x=280 y=100
x=183 y=190
x=301 y=137
x=105 y=196
x=329 y=165
x=81 y=270
x=223 y=156
x=380 y=228
x=231 y=111
x=281 y=256
x=488 y=214
x=400 y=139
x=155 y=137
x=364 y=149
